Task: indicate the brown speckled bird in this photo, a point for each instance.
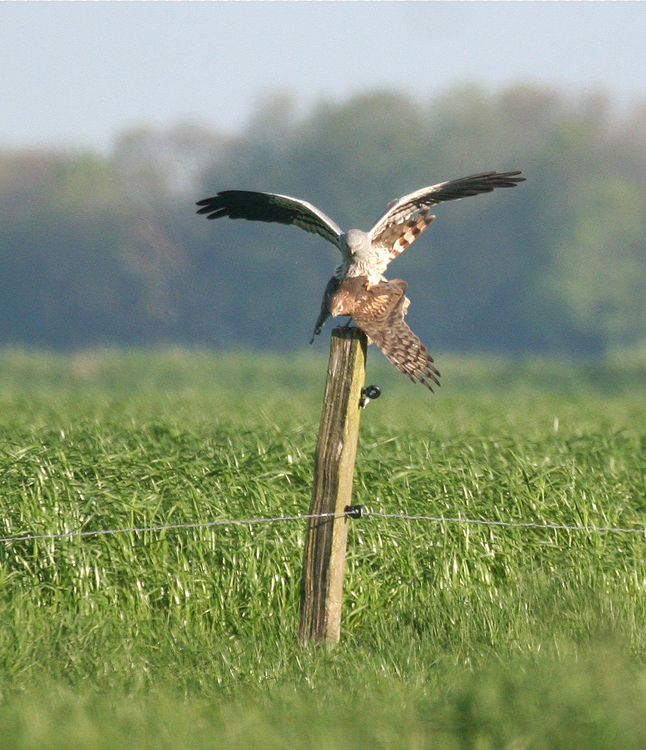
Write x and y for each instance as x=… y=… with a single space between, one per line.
x=359 y=287
x=378 y=310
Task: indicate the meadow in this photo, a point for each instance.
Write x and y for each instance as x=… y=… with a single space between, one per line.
x=454 y=635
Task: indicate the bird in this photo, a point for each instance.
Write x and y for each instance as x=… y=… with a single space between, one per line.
x=378 y=310
x=359 y=287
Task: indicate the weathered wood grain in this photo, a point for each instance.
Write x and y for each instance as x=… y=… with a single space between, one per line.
x=325 y=546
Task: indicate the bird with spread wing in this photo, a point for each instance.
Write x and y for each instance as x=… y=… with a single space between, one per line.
x=359 y=288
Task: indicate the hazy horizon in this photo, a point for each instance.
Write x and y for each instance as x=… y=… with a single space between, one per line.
x=78 y=73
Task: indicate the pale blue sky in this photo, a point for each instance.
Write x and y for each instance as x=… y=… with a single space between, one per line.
x=79 y=72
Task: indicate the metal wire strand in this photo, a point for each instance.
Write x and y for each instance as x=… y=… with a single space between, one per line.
x=510 y=524
x=166 y=527
x=302 y=517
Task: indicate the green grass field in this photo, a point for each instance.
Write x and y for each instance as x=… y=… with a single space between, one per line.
x=454 y=635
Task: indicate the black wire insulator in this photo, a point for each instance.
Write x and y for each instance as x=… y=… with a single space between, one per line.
x=355 y=511
x=371 y=391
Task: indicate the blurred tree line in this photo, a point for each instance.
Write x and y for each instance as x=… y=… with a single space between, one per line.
x=107 y=249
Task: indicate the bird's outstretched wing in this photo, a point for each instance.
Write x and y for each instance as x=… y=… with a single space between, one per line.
x=401 y=214
x=379 y=312
x=395 y=238
x=281 y=209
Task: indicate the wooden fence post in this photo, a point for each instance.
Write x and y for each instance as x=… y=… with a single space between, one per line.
x=325 y=545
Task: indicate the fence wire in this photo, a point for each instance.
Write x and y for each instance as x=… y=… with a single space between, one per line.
x=513 y=524
x=167 y=527
x=363 y=513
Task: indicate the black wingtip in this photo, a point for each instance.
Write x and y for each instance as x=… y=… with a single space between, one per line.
x=512 y=176
x=427 y=384
x=206 y=201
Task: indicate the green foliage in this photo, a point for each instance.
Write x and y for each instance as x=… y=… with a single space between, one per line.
x=107 y=249
x=454 y=635
x=612 y=251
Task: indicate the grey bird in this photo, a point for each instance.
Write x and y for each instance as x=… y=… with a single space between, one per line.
x=365 y=255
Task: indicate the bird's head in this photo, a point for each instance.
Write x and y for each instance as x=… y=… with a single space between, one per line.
x=355 y=243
